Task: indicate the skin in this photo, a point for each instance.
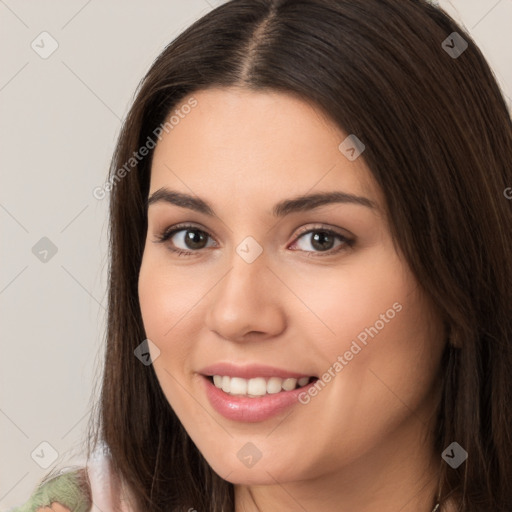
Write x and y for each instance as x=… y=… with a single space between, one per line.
x=363 y=443
x=55 y=507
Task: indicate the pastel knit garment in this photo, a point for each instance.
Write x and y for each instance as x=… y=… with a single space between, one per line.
x=69 y=489
x=89 y=488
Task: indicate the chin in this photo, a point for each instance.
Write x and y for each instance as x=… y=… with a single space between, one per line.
x=262 y=472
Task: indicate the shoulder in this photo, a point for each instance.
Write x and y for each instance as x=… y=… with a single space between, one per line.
x=68 y=491
x=75 y=489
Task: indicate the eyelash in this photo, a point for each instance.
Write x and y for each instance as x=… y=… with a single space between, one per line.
x=170 y=232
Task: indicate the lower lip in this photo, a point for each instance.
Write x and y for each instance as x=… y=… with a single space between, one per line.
x=251 y=410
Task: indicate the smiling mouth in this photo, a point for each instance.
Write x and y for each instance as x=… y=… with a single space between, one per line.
x=258 y=386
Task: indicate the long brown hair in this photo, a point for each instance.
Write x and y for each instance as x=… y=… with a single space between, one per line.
x=438 y=142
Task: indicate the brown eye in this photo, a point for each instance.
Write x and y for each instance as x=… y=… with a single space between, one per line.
x=321 y=240
x=195 y=239
x=185 y=239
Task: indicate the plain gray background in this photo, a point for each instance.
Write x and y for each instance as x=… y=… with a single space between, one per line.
x=60 y=117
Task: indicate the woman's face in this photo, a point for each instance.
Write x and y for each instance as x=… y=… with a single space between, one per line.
x=276 y=292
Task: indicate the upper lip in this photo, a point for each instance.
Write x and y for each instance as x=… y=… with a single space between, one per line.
x=249 y=371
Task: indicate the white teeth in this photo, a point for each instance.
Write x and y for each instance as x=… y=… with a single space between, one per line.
x=257 y=386
x=238 y=386
x=274 y=385
x=226 y=384
x=303 y=381
x=289 y=384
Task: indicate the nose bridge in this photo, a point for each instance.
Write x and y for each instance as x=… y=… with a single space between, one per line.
x=246 y=279
x=247 y=261
x=245 y=299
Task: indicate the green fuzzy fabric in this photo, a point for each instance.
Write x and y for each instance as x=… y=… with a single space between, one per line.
x=68 y=489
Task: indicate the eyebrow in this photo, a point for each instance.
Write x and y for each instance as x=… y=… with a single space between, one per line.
x=285 y=207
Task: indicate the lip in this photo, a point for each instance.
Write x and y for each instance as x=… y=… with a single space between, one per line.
x=249 y=371
x=251 y=410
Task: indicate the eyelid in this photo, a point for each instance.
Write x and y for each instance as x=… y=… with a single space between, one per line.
x=172 y=230
x=346 y=241
x=326 y=227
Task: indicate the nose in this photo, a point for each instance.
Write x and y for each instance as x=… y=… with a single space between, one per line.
x=246 y=304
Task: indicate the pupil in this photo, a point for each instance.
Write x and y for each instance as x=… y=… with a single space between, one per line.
x=320 y=239
x=194 y=237
x=322 y=236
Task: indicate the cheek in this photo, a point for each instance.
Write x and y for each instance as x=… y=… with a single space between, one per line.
x=350 y=299
x=386 y=332
x=407 y=352
x=166 y=296
x=166 y=300
x=393 y=374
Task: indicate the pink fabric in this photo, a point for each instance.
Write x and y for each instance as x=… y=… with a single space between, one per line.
x=108 y=494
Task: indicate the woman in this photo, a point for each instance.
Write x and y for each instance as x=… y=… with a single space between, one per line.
x=310 y=269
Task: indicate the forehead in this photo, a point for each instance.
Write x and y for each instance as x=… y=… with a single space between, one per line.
x=247 y=143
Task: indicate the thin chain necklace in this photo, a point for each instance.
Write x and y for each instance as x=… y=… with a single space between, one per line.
x=436 y=507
